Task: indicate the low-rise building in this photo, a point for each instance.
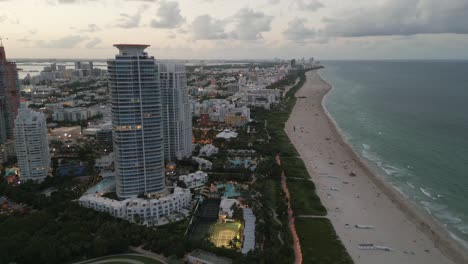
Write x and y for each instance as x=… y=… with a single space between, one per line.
x=143 y=209
x=194 y=180
x=74 y=114
x=225 y=207
x=208 y=150
x=203 y=163
x=227 y=134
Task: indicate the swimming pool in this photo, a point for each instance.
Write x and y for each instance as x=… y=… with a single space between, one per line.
x=104 y=186
x=230 y=190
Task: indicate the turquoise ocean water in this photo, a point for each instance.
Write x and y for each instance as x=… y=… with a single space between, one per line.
x=410 y=120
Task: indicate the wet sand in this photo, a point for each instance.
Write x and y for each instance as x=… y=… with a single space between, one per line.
x=363 y=199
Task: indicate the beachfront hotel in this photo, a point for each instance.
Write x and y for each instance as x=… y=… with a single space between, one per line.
x=32 y=145
x=136 y=122
x=144 y=209
x=176 y=111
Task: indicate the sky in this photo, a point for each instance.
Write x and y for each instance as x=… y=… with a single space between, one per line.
x=237 y=29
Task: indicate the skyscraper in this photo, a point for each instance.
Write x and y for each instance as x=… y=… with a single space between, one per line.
x=176 y=111
x=78 y=65
x=32 y=145
x=136 y=122
x=9 y=102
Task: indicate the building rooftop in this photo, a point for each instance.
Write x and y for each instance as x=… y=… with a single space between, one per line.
x=123 y=46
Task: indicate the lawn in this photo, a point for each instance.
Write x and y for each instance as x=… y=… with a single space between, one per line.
x=304 y=199
x=319 y=242
x=294 y=167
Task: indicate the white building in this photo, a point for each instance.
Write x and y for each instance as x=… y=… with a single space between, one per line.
x=194 y=180
x=176 y=113
x=221 y=110
x=227 y=134
x=102 y=204
x=203 y=163
x=32 y=146
x=146 y=209
x=248 y=241
x=74 y=114
x=208 y=150
x=226 y=205
x=137 y=124
x=257 y=97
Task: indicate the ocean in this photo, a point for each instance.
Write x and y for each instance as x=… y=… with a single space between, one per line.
x=409 y=119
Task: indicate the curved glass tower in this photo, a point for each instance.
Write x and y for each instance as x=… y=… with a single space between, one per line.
x=136 y=122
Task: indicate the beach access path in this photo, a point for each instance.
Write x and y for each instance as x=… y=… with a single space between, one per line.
x=354 y=200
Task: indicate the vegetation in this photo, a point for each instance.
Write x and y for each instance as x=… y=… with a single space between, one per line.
x=318 y=239
x=304 y=201
x=58 y=230
x=319 y=242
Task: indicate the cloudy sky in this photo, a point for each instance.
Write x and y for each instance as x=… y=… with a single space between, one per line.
x=238 y=29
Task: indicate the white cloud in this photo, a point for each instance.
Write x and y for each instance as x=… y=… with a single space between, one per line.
x=130 y=21
x=67 y=42
x=91 y=28
x=168 y=16
x=206 y=27
x=402 y=17
x=251 y=24
x=92 y=44
x=309 y=5
x=297 y=31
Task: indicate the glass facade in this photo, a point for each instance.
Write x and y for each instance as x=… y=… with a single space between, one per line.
x=176 y=112
x=137 y=123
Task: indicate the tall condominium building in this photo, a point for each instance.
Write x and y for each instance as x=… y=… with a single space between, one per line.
x=78 y=65
x=176 y=111
x=9 y=102
x=32 y=145
x=136 y=122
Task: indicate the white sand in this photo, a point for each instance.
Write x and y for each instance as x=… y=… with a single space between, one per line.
x=365 y=199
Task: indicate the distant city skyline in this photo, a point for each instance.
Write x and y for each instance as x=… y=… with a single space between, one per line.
x=217 y=29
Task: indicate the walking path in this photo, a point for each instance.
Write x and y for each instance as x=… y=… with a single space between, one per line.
x=312 y=216
x=292 y=226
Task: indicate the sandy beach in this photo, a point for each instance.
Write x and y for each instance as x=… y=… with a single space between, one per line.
x=364 y=199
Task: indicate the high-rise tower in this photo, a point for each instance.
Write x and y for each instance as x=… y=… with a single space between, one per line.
x=176 y=111
x=32 y=145
x=9 y=102
x=136 y=122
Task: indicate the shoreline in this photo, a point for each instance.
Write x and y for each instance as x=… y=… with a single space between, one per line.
x=425 y=222
x=418 y=225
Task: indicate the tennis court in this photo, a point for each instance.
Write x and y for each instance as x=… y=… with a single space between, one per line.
x=222 y=233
